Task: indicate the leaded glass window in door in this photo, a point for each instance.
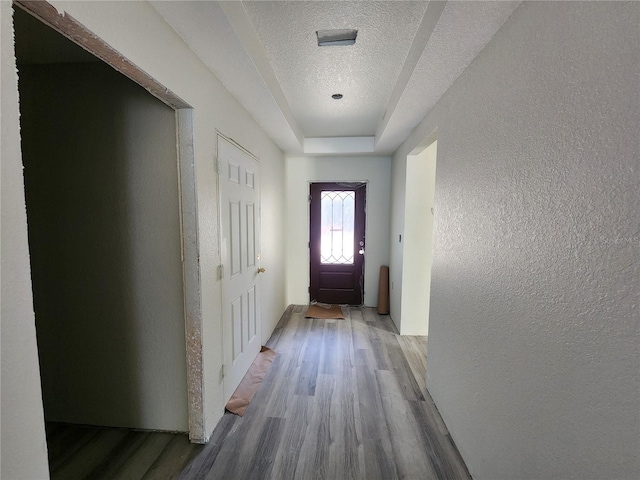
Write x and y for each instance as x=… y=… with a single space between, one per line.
x=337 y=227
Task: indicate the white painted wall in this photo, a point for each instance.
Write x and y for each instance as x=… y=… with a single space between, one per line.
x=137 y=31
x=416 y=242
x=396 y=250
x=300 y=171
x=103 y=211
x=272 y=240
x=534 y=327
x=23 y=443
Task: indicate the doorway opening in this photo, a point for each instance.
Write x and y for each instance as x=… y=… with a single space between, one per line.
x=110 y=234
x=337 y=242
x=418 y=239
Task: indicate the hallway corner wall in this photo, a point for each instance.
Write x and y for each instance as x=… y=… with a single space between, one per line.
x=23 y=443
x=396 y=231
x=272 y=240
x=533 y=342
x=417 y=251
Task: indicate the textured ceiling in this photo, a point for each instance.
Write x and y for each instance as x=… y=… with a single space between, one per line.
x=365 y=73
x=406 y=56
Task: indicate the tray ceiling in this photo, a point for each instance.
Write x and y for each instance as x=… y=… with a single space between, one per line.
x=406 y=55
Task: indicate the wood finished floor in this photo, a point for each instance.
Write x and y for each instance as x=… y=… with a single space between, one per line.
x=98 y=453
x=344 y=399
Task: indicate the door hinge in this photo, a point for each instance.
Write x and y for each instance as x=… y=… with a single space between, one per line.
x=309 y=244
x=309 y=289
x=222 y=371
x=220 y=272
x=309 y=198
x=216 y=165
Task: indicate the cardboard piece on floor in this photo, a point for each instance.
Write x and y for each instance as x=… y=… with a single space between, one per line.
x=322 y=311
x=241 y=398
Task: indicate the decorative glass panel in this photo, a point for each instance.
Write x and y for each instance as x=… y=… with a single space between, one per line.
x=337 y=227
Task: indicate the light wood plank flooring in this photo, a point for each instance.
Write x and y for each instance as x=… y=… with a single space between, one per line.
x=415 y=351
x=340 y=401
x=344 y=399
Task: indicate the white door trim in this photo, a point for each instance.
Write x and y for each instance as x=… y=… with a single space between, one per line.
x=191 y=275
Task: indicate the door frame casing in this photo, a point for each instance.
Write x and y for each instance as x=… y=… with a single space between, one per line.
x=79 y=34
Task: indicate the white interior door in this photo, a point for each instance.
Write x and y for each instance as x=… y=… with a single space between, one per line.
x=240 y=242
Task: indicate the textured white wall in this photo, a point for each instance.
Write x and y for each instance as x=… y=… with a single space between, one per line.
x=396 y=250
x=301 y=171
x=137 y=31
x=272 y=241
x=534 y=328
x=101 y=182
x=416 y=243
x=24 y=448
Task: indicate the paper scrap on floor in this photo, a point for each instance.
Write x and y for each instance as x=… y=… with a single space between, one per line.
x=249 y=385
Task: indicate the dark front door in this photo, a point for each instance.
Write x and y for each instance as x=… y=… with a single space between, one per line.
x=337 y=221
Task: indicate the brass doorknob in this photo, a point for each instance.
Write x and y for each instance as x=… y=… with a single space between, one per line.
x=261 y=270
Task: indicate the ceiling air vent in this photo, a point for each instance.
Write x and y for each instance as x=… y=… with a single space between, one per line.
x=330 y=38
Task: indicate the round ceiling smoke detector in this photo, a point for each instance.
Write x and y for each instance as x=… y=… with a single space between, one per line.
x=336 y=96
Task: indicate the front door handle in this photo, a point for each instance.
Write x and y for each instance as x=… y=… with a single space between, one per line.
x=261 y=270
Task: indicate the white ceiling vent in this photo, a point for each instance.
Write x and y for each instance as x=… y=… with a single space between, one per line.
x=330 y=38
